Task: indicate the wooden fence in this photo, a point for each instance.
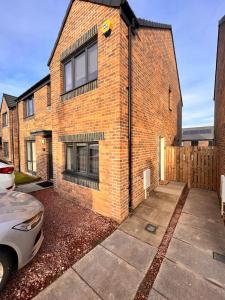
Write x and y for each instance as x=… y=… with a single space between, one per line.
x=196 y=166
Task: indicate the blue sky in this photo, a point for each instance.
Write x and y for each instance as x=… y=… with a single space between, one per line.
x=29 y=28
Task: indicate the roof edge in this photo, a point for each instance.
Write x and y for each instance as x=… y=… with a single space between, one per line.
x=151 y=24
x=222 y=20
x=34 y=88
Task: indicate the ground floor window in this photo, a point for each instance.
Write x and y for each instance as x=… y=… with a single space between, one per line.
x=83 y=159
x=6 y=149
x=31 y=157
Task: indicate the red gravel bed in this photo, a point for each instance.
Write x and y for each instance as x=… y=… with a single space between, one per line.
x=148 y=281
x=70 y=232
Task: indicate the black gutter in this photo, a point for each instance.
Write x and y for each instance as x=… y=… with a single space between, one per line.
x=34 y=88
x=130 y=113
x=18 y=123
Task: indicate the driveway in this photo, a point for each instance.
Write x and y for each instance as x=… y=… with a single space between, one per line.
x=189 y=270
x=71 y=231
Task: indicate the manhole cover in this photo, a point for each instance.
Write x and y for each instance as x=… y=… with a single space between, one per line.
x=219 y=257
x=151 y=228
x=45 y=184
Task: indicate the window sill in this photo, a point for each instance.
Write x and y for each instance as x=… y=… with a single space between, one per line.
x=81 y=180
x=92 y=85
x=29 y=118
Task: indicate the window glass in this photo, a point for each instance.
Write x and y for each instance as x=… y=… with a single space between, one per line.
x=81 y=158
x=29 y=107
x=69 y=157
x=34 y=157
x=94 y=159
x=92 y=63
x=68 y=77
x=80 y=70
x=6 y=149
x=28 y=151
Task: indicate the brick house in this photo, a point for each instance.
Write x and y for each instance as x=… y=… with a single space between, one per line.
x=116 y=102
x=198 y=136
x=111 y=104
x=35 y=130
x=9 y=130
x=219 y=97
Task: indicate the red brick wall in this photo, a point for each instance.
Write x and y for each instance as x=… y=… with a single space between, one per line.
x=10 y=134
x=154 y=74
x=220 y=101
x=105 y=109
x=42 y=120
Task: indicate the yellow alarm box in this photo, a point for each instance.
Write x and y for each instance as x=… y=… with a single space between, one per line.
x=107 y=28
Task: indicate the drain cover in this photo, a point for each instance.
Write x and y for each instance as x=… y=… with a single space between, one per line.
x=151 y=228
x=219 y=257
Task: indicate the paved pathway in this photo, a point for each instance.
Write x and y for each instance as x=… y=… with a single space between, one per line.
x=114 y=269
x=30 y=187
x=189 y=270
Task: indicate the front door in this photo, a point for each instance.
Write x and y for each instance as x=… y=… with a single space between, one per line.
x=161 y=159
x=50 y=161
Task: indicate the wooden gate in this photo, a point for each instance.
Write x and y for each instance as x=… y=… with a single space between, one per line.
x=196 y=166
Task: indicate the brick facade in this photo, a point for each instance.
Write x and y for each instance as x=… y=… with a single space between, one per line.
x=98 y=111
x=105 y=108
x=220 y=99
x=10 y=134
x=42 y=120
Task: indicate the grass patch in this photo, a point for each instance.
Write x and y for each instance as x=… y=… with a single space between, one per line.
x=22 y=178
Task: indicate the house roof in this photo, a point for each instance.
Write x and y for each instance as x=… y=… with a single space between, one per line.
x=34 y=88
x=198 y=133
x=10 y=100
x=127 y=11
x=151 y=24
x=221 y=21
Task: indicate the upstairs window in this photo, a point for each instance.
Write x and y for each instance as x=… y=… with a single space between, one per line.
x=82 y=68
x=5 y=119
x=83 y=159
x=6 y=149
x=49 y=95
x=29 y=107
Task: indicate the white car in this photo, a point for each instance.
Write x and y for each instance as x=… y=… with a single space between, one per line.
x=7 y=176
x=21 y=236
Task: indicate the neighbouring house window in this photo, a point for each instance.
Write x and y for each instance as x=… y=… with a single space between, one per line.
x=29 y=107
x=5 y=119
x=83 y=159
x=170 y=99
x=82 y=68
x=194 y=143
x=49 y=102
x=6 y=149
x=31 y=157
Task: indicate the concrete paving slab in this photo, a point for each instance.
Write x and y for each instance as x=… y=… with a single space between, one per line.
x=199 y=261
x=173 y=188
x=200 y=209
x=176 y=283
x=111 y=277
x=210 y=225
x=137 y=253
x=199 y=238
x=29 y=188
x=69 y=286
x=158 y=196
x=154 y=295
x=154 y=215
x=135 y=227
x=160 y=204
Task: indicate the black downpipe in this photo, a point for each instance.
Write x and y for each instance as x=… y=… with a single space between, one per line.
x=130 y=113
x=18 y=124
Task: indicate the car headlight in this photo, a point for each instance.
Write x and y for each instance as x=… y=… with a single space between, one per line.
x=29 y=224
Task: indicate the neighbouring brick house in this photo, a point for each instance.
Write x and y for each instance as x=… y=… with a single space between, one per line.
x=9 y=130
x=198 y=136
x=115 y=104
x=35 y=130
x=219 y=98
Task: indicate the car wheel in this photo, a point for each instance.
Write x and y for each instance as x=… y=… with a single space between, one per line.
x=6 y=267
